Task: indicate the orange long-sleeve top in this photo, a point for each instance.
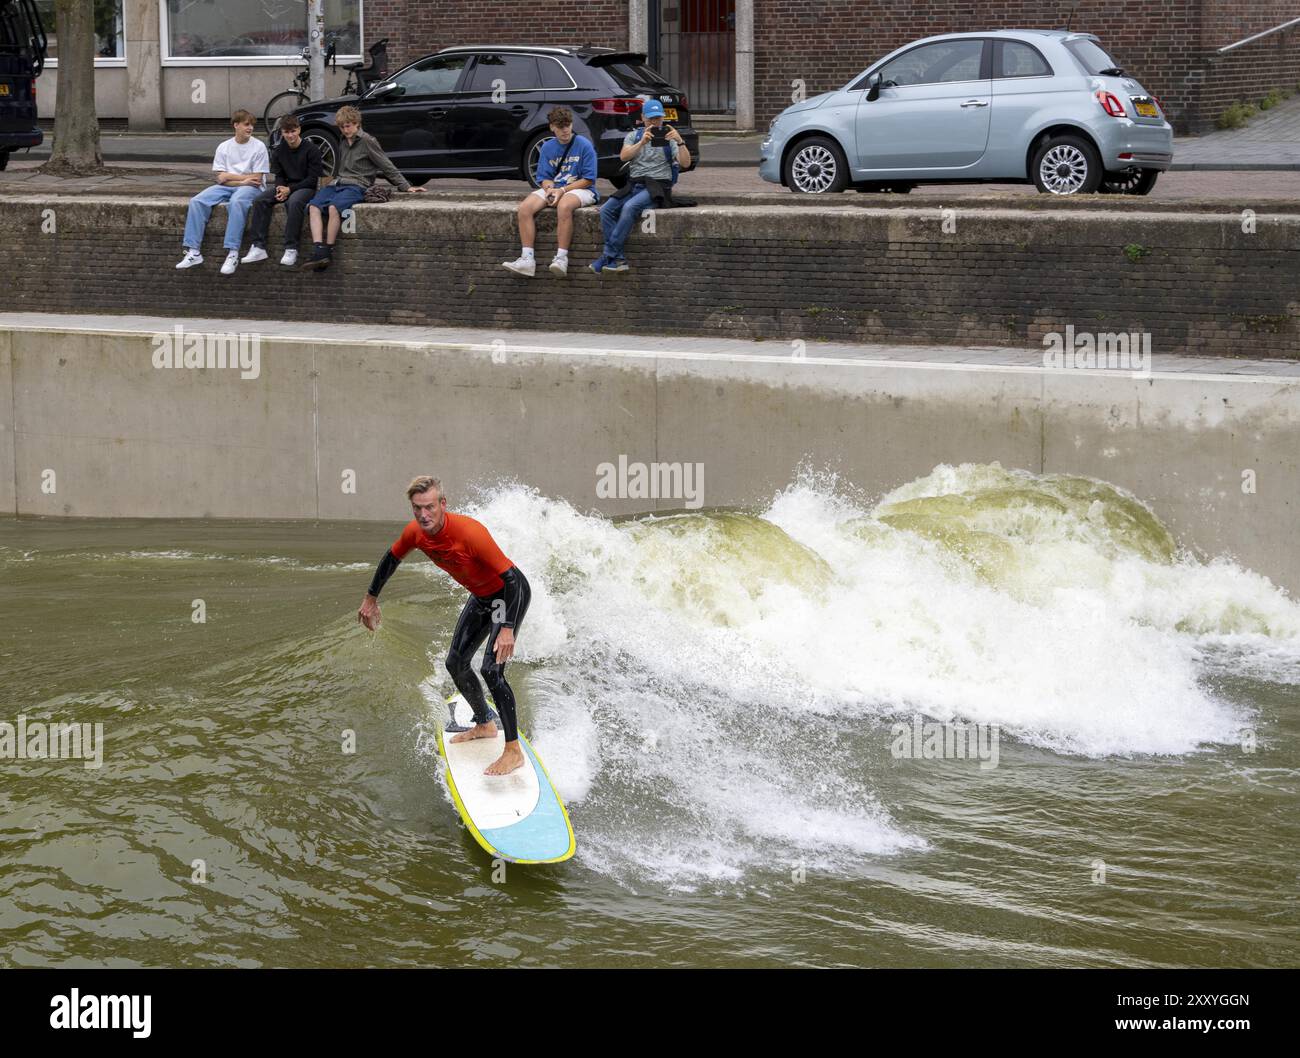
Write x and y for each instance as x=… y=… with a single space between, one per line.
x=463 y=547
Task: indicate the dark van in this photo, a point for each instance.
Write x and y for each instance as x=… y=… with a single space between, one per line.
x=22 y=58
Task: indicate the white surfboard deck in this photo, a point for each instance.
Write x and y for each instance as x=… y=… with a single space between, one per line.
x=518 y=816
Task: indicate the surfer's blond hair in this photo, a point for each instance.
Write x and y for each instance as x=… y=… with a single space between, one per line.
x=423 y=484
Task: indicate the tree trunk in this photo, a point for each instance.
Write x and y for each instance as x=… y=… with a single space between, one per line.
x=76 y=125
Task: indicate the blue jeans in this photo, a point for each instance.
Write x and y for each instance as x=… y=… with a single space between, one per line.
x=617 y=217
x=238 y=201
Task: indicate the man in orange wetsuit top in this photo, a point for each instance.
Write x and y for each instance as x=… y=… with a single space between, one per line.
x=498 y=599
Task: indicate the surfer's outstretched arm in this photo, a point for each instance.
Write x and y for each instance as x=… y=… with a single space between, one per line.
x=368 y=614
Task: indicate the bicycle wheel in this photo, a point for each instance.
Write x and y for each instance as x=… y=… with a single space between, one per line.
x=285 y=103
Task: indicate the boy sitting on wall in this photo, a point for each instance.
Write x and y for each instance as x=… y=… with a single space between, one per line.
x=296 y=169
x=361 y=162
x=652 y=152
x=241 y=165
x=566 y=171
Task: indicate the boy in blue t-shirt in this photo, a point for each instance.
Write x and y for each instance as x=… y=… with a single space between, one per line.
x=566 y=171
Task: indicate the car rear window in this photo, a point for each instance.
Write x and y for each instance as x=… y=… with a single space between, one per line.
x=1022 y=60
x=1093 y=56
x=554 y=75
x=635 y=78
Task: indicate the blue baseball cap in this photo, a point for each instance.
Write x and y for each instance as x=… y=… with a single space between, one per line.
x=652 y=108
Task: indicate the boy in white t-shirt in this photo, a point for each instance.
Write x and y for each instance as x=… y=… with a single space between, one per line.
x=241 y=165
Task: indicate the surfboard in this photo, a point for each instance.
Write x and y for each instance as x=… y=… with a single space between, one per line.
x=518 y=817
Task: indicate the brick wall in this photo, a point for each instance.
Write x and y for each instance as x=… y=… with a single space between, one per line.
x=1167 y=43
x=1249 y=72
x=418 y=27
x=1196 y=282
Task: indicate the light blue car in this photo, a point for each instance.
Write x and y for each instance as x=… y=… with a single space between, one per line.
x=1011 y=106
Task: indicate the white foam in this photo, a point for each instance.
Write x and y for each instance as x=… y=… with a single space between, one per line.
x=676 y=658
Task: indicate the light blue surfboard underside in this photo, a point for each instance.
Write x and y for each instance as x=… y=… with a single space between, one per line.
x=541 y=835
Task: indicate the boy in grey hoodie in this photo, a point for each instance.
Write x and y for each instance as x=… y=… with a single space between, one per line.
x=361 y=161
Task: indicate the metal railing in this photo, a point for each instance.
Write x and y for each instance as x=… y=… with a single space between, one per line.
x=1259 y=36
x=694 y=48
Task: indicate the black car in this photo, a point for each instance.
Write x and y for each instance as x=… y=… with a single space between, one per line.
x=480 y=110
x=22 y=57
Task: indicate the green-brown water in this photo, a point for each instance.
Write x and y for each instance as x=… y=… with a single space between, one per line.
x=712 y=693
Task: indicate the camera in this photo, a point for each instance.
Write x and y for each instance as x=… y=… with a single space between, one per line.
x=659 y=135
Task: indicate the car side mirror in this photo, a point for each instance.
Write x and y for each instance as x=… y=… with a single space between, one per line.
x=386 y=90
x=873 y=88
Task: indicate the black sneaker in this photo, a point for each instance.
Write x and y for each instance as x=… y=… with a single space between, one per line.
x=320 y=258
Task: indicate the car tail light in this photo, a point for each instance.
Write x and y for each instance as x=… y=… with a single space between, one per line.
x=616 y=106
x=683 y=104
x=1156 y=100
x=1110 y=103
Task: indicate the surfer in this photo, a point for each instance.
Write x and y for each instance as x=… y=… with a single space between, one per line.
x=498 y=599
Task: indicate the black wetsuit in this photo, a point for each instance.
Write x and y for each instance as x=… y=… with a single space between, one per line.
x=481 y=616
x=486 y=617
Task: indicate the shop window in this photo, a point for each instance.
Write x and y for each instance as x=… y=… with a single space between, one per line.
x=253 y=29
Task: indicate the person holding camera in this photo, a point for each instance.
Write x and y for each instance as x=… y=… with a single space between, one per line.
x=652 y=152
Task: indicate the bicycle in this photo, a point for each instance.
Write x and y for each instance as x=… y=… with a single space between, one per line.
x=360 y=77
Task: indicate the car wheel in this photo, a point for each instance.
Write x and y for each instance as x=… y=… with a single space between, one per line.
x=1067 y=165
x=327 y=143
x=531 y=153
x=816 y=166
x=1129 y=182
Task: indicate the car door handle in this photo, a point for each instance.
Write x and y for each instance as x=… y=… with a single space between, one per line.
x=438 y=112
x=975 y=103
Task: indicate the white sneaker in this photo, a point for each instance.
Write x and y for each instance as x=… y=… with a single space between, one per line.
x=191 y=258
x=255 y=254
x=290 y=258
x=525 y=266
x=232 y=262
x=560 y=266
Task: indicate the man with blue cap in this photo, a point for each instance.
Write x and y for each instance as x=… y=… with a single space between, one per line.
x=652 y=151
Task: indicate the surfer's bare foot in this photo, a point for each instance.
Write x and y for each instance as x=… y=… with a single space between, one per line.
x=511 y=759
x=488 y=730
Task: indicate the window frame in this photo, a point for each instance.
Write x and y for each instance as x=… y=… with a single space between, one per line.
x=168 y=60
x=478 y=58
x=457 y=89
x=573 y=85
x=999 y=47
x=536 y=57
x=986 y=63
x=102 y=62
